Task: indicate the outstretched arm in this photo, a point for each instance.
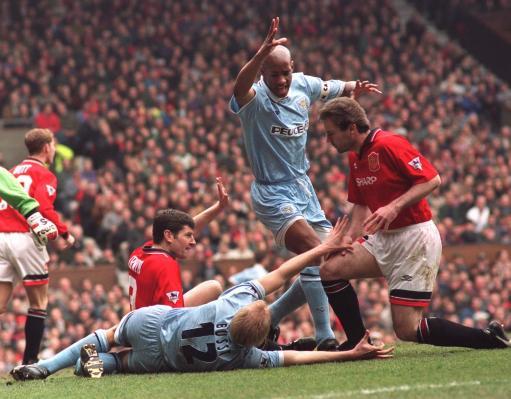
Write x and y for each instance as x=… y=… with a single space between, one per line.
x=243 y=91
x=356 y=88
x=363 y=350
x=205 y=217
x=277 y=278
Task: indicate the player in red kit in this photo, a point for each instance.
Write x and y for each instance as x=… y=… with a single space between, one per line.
x=20 y=257
x=154 y=271
x=388 y=185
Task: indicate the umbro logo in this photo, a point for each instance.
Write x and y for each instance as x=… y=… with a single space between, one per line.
x=406 y=277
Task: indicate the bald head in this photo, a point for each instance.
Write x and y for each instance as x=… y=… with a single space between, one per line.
x=277 y=71
x=279 y=55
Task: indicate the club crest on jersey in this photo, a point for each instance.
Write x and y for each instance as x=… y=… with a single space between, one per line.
x=173 y=296
x=373 y=162
x=303 y=104
x=287 y=209
x=416 y=163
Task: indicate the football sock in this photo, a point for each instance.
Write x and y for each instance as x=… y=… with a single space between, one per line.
x=441 y=332
x=289 y=301
x=111 y=364
x=68 y=356
x=344 y=302
x=318 y=302
x=34 y=329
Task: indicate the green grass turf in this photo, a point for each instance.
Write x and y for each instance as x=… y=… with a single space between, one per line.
x=415 y=372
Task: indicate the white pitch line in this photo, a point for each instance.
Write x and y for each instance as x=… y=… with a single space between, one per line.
x=397 y=388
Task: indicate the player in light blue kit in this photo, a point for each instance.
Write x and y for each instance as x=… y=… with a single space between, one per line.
x=221 y=335
x=274 y=113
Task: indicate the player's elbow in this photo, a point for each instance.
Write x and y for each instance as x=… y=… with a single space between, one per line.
x=436 y=181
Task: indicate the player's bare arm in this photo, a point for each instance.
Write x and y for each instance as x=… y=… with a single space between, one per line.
x=243 y=91
x=363 y=350
x=334 y=243
x=356 y=88
x=205 y=217
x=383 y=217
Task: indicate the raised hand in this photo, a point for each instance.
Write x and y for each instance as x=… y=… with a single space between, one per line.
x=223 y=196
x=270 y=42
x=337 y=240
x=364 y=86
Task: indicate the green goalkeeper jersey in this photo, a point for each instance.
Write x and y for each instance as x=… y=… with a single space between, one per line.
x=12 y=192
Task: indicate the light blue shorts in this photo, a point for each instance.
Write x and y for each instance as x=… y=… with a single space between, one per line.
x=278 y=206
x=140 y=330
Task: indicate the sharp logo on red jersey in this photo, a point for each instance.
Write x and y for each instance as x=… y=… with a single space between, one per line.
x=173 y=296
x=373 y=162
x=416 y=163
x=50 y=189
x=366 y=181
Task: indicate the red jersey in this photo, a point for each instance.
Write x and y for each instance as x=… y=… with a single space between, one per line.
x=385 y=168
x=154 y=278
x=40 y=184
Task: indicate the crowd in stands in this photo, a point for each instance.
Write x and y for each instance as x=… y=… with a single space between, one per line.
x=137 y=92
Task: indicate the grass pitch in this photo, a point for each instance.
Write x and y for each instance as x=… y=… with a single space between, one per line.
x=417 y=371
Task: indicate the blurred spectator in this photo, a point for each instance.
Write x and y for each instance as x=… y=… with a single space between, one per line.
x=479 y=214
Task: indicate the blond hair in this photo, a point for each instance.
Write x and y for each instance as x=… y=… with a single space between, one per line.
x=36 y=139
x=250 y=325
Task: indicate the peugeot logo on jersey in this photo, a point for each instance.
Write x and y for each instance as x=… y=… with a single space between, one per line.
x=283 y=131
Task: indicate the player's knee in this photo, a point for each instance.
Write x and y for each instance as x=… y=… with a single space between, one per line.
x=333 y=268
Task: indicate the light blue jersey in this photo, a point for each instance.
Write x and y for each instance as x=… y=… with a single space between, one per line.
x=193 y=339
x=275 y=129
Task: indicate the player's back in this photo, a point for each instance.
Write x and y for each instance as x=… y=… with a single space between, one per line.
x=33 y=176
x=198 y=339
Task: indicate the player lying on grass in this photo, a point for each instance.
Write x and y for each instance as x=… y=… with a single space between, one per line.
x=221 y=335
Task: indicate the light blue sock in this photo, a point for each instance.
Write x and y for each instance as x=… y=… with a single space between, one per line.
x=291 y=300
x=318 y=302
x=68 y=356
x=111 y=364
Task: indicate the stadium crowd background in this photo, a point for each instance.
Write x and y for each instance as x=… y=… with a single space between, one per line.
x=136 y=93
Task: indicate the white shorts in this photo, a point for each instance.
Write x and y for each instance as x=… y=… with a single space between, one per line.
x=408 y=258
x=21 y=259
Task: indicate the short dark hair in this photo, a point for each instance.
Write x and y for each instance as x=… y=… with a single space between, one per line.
x=344 y=111
x=170 y=219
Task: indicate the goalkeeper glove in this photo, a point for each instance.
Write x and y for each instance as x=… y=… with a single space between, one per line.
x=42 y=229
